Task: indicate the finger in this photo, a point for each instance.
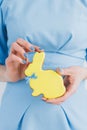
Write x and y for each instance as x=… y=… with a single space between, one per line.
x=26 y=45
x=43 y=98
x=55 y=101
x=59 y=71
x=64 y=71
x=38 y=49
x=66 y=81
x=13 y=58
x=18 y=50
x=68 y=93
x=59 y=100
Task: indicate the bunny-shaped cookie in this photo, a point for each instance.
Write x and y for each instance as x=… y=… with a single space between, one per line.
x=46 y=82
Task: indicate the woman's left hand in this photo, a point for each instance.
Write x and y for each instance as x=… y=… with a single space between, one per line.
x=72 y=78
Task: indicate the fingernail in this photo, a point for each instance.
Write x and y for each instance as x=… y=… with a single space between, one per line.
x=40 y=48
x=24 y=62
x=25 y=55
x=44 y=99
x=59 y=70
x=32 y=48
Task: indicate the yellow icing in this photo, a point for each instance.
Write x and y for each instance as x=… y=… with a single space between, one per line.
x=46 y=82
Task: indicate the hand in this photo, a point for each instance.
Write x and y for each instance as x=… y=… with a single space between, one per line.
x=17 y=61
x=72 y=78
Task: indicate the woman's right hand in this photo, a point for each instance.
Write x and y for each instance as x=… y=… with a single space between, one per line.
x=17 y=60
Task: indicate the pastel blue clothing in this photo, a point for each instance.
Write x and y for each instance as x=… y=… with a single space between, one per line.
x=60 y=28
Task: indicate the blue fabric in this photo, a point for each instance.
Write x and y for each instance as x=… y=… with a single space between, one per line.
x=60 y=28
x=3 y=39
x=86 y=54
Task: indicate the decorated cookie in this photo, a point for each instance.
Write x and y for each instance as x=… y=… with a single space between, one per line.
x=46 y=82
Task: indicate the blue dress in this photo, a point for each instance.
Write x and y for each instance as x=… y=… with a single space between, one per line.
x=60 y=28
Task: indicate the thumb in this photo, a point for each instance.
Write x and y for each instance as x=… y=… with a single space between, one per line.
x=63 y=71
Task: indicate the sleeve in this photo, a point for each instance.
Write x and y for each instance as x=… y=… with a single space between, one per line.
x=86 y=55
x=3 y=39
